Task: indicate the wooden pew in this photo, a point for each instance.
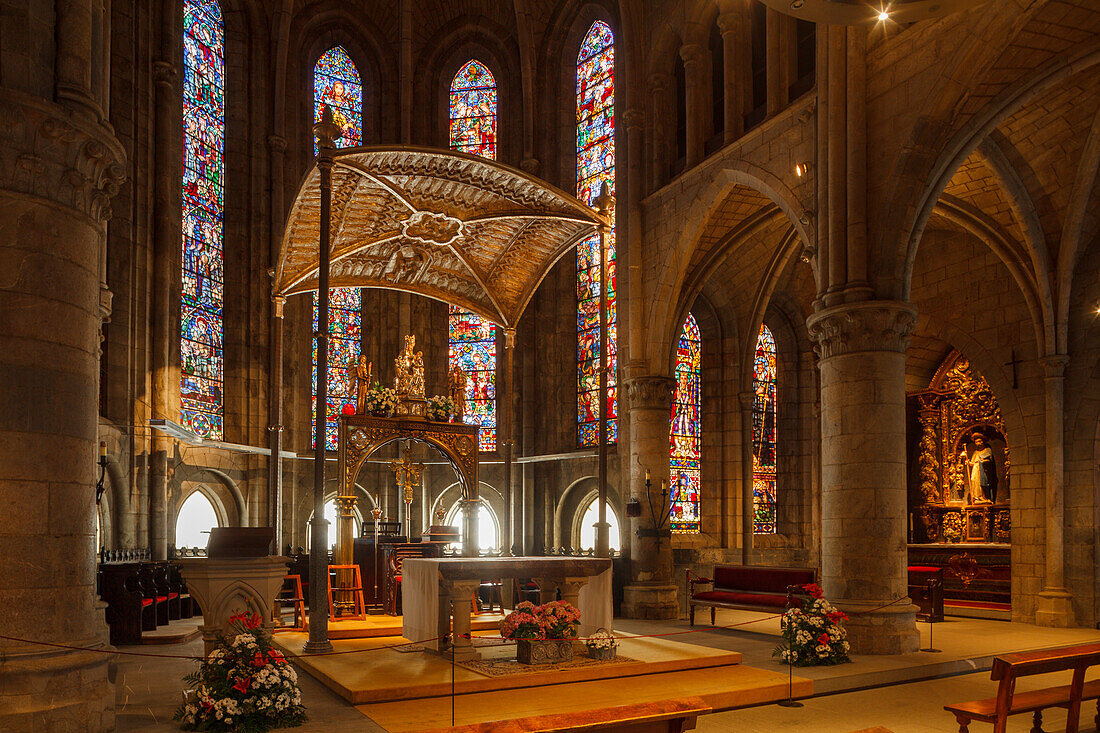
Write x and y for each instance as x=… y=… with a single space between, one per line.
x=126 y=609
x=1009 y=668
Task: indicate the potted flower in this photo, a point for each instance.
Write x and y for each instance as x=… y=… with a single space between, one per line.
x=440 y=409
x=814 y=634
x=243 y=684
x=602 y=644
x=543 y=634
x=380 y=401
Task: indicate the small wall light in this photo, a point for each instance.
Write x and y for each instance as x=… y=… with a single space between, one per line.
x=802 y=169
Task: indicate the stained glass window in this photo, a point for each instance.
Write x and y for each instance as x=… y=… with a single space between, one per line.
x=685 y=431
x=336 y=83
x=473 y=346
x=474 y=110
x=344 y=313
x=763 y=435
x=595 y=169
x=201 y=356
x=472 y=339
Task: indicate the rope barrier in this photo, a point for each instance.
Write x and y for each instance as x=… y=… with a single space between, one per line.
x=501 y=642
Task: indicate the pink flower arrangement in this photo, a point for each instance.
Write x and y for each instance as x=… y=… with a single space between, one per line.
x=554 y=620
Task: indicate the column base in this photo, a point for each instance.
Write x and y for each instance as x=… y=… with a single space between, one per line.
x=1055 y=608
x=317 y=647
x=57 y=690
x=651 y=601
x=890 y=630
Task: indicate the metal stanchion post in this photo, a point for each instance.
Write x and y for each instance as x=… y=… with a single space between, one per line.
x=790 y=702
x=930 y=590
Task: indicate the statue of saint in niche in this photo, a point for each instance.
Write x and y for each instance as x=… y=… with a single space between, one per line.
x=981 y=470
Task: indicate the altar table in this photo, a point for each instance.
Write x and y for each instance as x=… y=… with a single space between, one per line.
x=430 y=587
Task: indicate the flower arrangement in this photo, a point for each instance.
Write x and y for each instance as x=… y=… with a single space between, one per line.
x=440 y=409
x=245 y=684
x=380 y=400
x=813 y=635
x=555 y=620
x=601 y=644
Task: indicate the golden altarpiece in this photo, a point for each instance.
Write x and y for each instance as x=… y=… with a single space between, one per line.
x=960 y=467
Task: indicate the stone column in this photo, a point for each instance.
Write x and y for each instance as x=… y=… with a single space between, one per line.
x=55 y=195
x=651 y=592
x=863 y=467
x=693 y=56
x=748 y=508
x=730 y=23
x=658 y=86
x=777 y=85
x=1055 y=606
x=461 y=593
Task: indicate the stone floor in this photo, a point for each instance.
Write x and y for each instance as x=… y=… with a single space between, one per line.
x=909 y=703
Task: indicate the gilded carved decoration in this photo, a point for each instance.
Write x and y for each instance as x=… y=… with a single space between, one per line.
x=362 y=435
x=957 y=406
x=447 y=225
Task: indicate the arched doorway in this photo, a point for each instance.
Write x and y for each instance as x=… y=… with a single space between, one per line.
x=194 y=521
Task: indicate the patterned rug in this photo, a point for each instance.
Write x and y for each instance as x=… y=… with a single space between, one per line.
x=505 y=667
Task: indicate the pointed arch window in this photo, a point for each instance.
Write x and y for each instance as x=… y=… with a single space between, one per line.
x=685 y=431
x=595 y=169
x=202 y=367
x=763 y=434
x=336 y=82
x=472 y=340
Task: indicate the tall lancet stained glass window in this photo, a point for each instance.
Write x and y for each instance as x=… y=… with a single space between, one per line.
x=685 y=431
x=336 y=83
x=763 y=434
x=472 y=339
x=595 y=169
x=201 y=356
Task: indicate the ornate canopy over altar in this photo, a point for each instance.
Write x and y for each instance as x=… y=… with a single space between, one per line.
x=455 y=227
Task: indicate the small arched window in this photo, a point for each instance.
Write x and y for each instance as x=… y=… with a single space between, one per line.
x=589 y=518
x=763 y=434
x=195 y=520
x=685 y=431
x=488 y=527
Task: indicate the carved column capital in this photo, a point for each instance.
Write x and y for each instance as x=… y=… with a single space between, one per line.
x=276 y=143
x=165 y=73
x=530 y=166
x=632 y=118
x=659 y=82
x=729 y=22
x=649 y=393
x=874 y=325
x=748 y=400
x=1054 y=366
x=692 y=54
x=59 y=157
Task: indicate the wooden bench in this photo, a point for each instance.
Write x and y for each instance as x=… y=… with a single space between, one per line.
x=747 y=587
x=1009 y=668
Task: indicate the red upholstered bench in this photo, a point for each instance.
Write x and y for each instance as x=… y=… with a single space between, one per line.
x=746 y=587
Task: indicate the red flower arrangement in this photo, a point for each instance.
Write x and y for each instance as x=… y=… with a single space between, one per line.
x=813 y=634
x=555 y=620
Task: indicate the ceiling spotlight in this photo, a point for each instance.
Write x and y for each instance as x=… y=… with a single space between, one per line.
x=797 y=4
x=883 y=15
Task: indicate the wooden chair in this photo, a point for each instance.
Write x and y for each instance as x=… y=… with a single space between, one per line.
x=296 y=599
x=1007 y=669
x=393 y=576
x=355 y=589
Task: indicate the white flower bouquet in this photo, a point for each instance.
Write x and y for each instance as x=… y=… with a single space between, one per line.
x=245 y=684
x=601 y=644
x=440 y=409
x=381 y=401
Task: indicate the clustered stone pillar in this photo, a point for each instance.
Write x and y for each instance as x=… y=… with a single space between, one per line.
x=863 y=467
x=54 y=204
x=651 y=592
x=1055 y=604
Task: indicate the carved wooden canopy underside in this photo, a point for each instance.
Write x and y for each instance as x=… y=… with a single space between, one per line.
x=447 y=225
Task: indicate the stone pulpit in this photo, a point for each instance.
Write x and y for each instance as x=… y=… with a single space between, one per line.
x=233 y=578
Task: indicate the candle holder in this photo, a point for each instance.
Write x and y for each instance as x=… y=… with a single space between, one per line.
x=101 y=484
x=659 y=516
